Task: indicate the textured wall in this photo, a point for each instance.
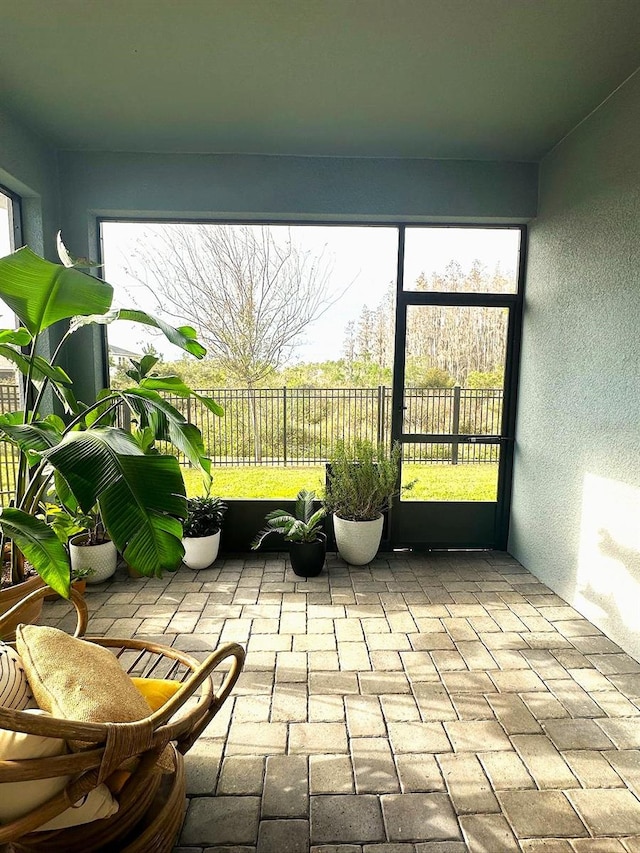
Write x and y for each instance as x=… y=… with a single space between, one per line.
x=28 y=167
x=193 y=185
x=576 y=503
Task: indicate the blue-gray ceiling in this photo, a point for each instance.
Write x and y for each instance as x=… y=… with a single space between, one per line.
x=479 y=79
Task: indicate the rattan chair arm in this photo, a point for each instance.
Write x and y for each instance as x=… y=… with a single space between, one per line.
x=48 y=726
x=76 y=599
x=222 y=653
x=36 y=817
x=30 y=769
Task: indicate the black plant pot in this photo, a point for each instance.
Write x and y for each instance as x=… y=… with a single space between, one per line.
x=307 y=558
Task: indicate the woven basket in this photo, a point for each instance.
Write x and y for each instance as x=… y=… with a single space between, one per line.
x=150 y=804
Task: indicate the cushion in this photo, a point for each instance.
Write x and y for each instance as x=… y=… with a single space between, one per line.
x=19 y=798
x=15 y=692
x=97 y=804
x=77 y=680
x=156 y=691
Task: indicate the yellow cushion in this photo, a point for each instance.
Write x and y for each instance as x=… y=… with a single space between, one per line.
x=156 y=691
x=20 y=798
x=77 y=680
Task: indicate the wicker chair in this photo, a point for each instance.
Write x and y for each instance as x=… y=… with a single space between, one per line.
x=151 y=803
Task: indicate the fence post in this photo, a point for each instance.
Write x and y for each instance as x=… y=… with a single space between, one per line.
x=284 y=425
x=381 y=414
x=456 y=424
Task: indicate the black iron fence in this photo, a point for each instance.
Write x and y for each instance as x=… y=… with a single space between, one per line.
x=300 y=426
x=9 y=402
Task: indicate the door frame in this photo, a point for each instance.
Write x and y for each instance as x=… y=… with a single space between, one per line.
x=458 y=524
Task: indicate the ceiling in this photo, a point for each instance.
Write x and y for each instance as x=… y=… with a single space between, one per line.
x=479 y=79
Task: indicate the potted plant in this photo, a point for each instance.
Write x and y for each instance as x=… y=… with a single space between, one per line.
x=92 y=549
x=80 y=578
x=87 y=458
x=201 y=538
x=84 y=535
x=361 y=482
x=307 y=543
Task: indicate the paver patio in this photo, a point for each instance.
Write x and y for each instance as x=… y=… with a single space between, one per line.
x=424 y=704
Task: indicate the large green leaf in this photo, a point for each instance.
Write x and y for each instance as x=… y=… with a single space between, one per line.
x=39 y=435
x=183 y=336
x=40 y=369
x=170 y=425
x=20 y=337
x=141 y=497
x=175 y=385
x=41 y=293
x=104 y=414
x=40 y=546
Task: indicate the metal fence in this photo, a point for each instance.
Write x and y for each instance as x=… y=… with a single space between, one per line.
x=300 y=426
x=9 y=402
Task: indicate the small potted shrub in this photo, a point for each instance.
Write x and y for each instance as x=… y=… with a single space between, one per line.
x=78 y=582
x=307 y=543
x=79 y=578
x=361 y=482
x=201 y=537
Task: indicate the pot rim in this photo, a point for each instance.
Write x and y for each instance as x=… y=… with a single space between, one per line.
x=321 y=538
x=206 y=535
x=77 y=544
x=358 y=520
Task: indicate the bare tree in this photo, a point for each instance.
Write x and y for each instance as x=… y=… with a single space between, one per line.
x=250 y=294
x=349 y=348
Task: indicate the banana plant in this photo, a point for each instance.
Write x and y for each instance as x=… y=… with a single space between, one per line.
x=139 y=491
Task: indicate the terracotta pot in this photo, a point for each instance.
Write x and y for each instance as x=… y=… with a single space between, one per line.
x=357 y=541
x=12 y=595
x=133 y=573
x=200 y=551
x=80 y=586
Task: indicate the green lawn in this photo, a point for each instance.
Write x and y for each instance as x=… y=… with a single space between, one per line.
x=434 y=482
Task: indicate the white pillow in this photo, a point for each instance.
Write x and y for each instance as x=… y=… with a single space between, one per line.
x=97 y=804
x=15 y=692
x=19 y=798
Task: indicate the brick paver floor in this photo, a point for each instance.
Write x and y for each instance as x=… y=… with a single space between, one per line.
x=423 y=704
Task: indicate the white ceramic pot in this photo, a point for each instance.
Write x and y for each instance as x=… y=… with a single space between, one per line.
x=102 y=558
x=357 y=541
x=200 y=551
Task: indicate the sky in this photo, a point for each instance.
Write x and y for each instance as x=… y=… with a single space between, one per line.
x=362 y=262
x=6 y=316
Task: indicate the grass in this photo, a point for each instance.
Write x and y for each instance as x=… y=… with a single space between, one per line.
x=434 y=482
x=451 y=482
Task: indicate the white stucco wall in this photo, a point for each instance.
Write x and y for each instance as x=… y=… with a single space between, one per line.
x=576 y=500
